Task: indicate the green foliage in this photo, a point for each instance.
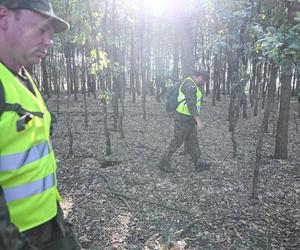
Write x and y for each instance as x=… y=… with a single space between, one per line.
x=98 y=61
x=105 y=96
x=233 y=15
x=280 y=44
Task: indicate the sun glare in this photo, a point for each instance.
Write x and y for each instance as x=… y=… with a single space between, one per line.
x=157 y=7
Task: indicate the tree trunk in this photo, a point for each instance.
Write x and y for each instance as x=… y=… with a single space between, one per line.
x=74 y=74
x=106 y=131
x=298 y=93
x=67 y=52
x=175 y=74
x=186 y=43
x=244 y=104
x=272 y=82
x=122 y=98
x=253 y=82
x=215 y=80
x=45 y=81
x=83 y=85
x=142 y=62
x=270 y=98
x=256 y=89
x=115 y=101
x=132 y=69
x=281 y=146
x=265 y=81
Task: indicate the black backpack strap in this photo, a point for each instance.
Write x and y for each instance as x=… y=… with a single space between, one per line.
x=2 y=100
x=25 y=115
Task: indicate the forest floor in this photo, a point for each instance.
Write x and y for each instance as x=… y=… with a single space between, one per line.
x=125 y=202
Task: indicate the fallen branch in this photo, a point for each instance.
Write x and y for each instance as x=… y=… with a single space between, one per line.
x=241 y=238
x=145 y=201
x=144 y=146
x=125 y=197
x=187 y=228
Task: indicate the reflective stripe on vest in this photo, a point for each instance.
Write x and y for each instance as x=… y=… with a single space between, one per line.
x=29 y=189
x=18 y=160
x=183 y=107
x=27 y=161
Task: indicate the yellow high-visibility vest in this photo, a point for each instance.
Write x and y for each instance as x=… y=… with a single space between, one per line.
x=183 y=107
x=27 y=161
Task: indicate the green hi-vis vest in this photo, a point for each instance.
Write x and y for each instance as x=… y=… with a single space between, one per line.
x=27 y=161
x=183 y=107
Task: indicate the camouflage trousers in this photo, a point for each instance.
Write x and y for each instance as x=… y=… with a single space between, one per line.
x=184 y=132
x=55 y=234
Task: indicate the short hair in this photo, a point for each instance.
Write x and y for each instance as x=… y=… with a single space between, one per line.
x=203 y=73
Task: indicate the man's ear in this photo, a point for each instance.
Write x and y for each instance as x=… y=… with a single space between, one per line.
x=3 y=17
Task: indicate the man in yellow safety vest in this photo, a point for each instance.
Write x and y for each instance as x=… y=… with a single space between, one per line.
x=187 y=120
x=30 y=215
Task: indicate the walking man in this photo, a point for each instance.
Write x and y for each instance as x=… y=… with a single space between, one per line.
x=187 y=120
x=30 y=215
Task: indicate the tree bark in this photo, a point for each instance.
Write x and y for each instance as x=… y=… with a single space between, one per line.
x=45 y=81
x=270 y=98
x=272 y=89
x=281 y=146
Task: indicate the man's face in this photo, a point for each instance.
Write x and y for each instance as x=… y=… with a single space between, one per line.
x=29 y=35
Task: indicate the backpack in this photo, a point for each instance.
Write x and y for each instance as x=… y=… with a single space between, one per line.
x=172 y=103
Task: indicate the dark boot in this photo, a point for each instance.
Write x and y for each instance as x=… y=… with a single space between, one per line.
x=202 y=165
x=165 y=166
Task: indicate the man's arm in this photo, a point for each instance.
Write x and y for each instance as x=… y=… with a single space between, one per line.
x=10 y=237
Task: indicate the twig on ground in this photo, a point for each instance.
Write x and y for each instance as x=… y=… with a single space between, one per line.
x=146 y=201
x=186 y=228
x=241 y=238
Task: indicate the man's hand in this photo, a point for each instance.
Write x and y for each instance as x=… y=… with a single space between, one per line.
x=200 y=125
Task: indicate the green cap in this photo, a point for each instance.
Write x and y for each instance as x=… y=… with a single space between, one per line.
x=43 y=7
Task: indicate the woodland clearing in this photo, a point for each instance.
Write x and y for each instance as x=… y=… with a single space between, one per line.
x=123 y=202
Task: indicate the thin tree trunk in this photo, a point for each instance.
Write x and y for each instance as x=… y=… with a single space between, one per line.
x=298 y=93
x=215 y=80
x=270 y=98
x=106 y=131
x=272 y=82
x=142 y=63
x=253 y=82
x=74 y=73
x=68 y=118
x=236 y=113
x=256 y=89
x=132 y=69
x=175 y=74
x=265 y=82
x=122 y=114
x=45 y=79
x=83 y=84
